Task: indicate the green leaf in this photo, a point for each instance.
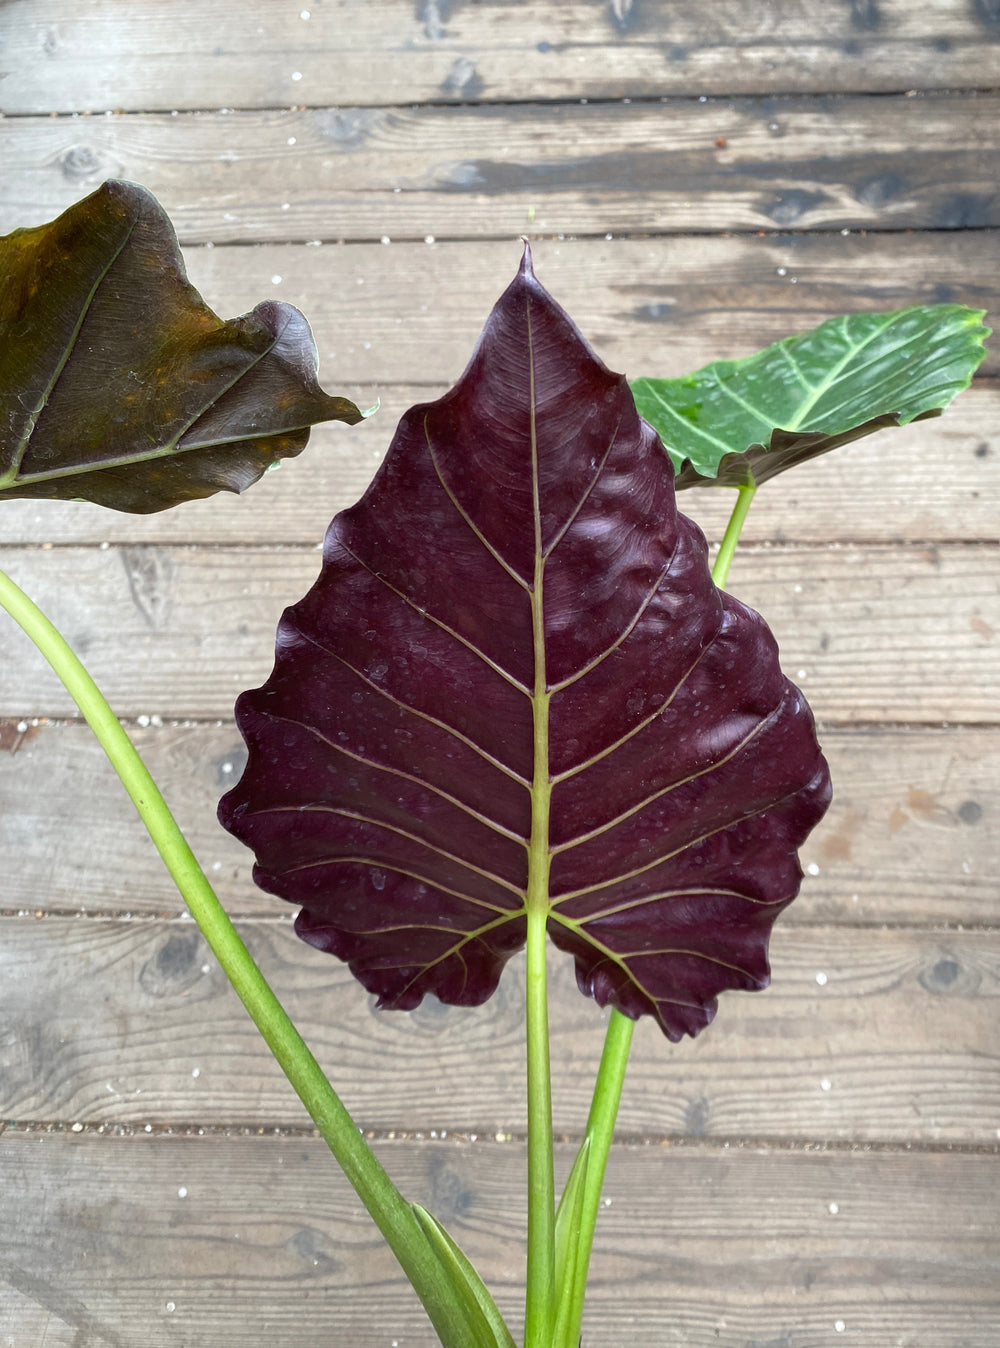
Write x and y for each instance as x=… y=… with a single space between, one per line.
x=569 y=1224
x=485 y=1321
x=735 y=422
x=118 y=384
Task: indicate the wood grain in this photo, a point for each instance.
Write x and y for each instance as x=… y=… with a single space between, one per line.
x=709 y=1249
x=872 y=634
x=934 y=481
x=912 y=836
x=492 y=171
x=412 y=313
x=748 y=138
x=132 y=1022
x=63 y=57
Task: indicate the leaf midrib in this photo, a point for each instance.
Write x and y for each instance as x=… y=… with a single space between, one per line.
x=171 y=448
x=11 y=477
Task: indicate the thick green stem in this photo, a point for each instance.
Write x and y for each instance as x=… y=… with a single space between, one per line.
x=389 y=1210
x=540 y=1295
x=744 y=498
x=541 y=1178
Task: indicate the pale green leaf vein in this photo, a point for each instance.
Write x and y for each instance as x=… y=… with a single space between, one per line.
x=641 y=725
x=466 y=517
x=654 y=796
x=358 y=817
x=454 y=950
x=633 y=874
x=836 y=370
x=11 y=475
x=689 y=427
x=785 y=351
x=421 y=782
x=561 y=533
x=624 y=634
x=695 y=892
x=437 y=622
x=723 y=387
x=361 y=859
x=415 y=711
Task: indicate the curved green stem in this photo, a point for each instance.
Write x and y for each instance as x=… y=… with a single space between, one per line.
x=390 y=1211
x=618 y=1041
x=744 y=499
x=598 y=1138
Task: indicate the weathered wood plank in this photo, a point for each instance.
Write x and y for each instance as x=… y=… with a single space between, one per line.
x=132 y=1022
x=59 y=56
x=696 y=1246
x=108 y=1021
x=913 y=834
x=872 y=634
x=410 y=314
x=494 y=171
x=931 y=481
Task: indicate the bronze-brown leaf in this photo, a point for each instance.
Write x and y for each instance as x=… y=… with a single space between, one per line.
x=119 y=385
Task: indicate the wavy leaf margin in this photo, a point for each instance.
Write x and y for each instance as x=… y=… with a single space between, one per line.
x=738 y=422
x=514 y=688
x=120 y=386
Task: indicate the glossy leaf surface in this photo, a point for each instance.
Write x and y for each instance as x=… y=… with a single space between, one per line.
x=738 y=421
x=514 y=684
x=119 y=385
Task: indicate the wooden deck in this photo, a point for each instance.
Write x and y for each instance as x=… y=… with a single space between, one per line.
x=820 y=1168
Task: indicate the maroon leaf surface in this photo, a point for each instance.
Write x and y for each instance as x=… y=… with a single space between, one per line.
x=515 y=683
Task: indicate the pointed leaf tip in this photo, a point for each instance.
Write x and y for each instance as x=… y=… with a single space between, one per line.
x=516 y=600
x=527 y=266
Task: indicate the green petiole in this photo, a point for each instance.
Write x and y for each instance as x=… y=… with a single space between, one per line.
x=618 y=1041
x=727 y=548
x=392 y=1214
x=396 y=1219
x=597 y=1139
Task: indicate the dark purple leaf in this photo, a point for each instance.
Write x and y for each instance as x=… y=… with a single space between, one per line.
x=119 y=385
x=520 y=553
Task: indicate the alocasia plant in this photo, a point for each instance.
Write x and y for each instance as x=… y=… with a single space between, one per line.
x=514 y=700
